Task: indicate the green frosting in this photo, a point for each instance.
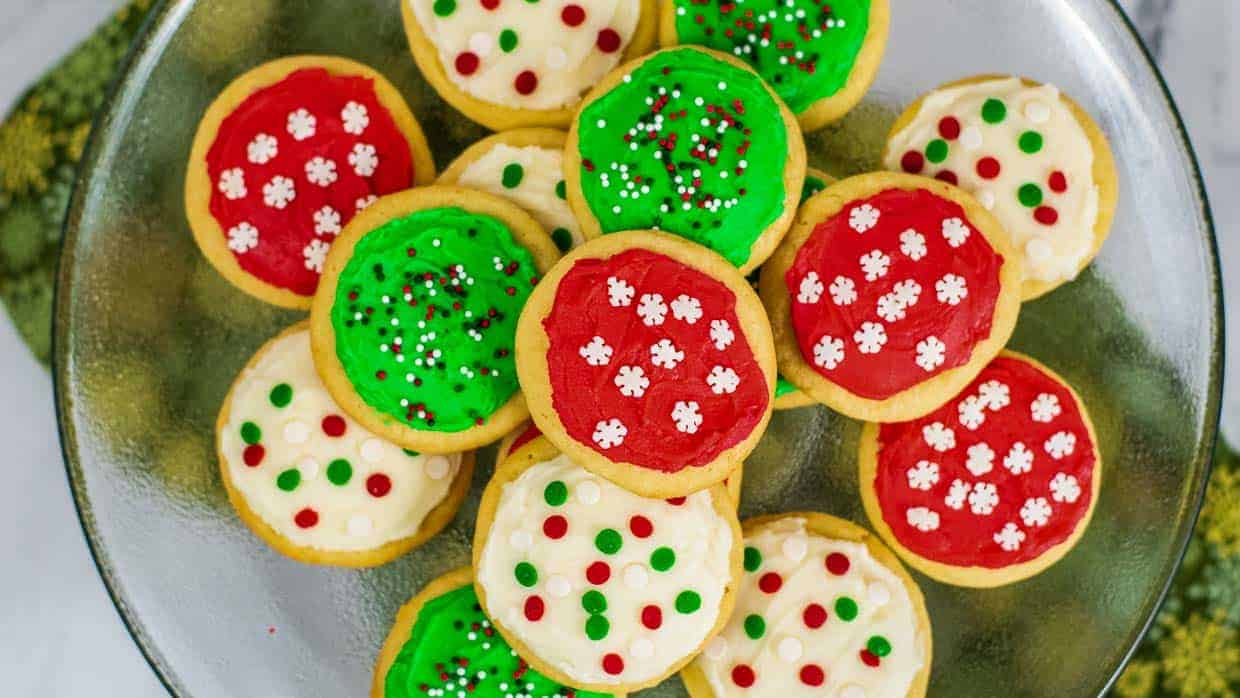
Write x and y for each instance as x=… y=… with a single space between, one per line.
x=812 y=186
x=806 y=49
x=453 y=650
x=783 y=387
x=425 y=315
x=688 y=144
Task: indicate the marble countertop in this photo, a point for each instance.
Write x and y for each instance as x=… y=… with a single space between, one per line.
x=62 y=635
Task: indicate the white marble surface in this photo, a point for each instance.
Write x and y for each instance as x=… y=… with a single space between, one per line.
x=62 y=637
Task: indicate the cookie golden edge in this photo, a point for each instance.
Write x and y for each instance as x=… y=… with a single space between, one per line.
x=829 y=526
x=1106 y=175
x=498 y=117
x=794 y=165
x=928 y=395
x=532 y=344
x=541 y=450
x=208 y=234
x=976 y=577
x=830 y=109
x=526 y=232
x=434 y=522
x=548 y=138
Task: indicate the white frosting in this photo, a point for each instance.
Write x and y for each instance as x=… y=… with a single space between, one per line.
x=349 y=517
x=566 y=60
x=787 y=644
x=543 y=170
x=700 y=537
x=1050 y=252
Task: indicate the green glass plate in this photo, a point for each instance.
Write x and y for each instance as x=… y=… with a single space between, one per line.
x=148 y=338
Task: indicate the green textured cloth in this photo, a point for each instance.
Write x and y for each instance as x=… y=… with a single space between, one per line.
x=1193 y=649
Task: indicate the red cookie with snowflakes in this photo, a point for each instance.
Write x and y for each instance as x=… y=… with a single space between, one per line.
x=991 y=488
x=283 y=160
x=890 y=294
x=595 y=586
x=649 y=361
x=515 y=63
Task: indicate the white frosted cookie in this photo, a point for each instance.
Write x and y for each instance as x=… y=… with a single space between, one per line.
x=595 y=586
x=315 y=484
x=822 y=609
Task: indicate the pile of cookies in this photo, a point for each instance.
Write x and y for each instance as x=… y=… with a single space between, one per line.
x=622 y=284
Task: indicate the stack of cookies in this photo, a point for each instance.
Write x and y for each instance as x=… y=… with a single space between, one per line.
x=619 y=287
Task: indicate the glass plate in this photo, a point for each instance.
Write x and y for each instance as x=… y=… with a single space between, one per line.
x=148 y=338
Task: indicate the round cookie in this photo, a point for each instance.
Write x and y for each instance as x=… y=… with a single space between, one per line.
x=648 y=360
x=691 y=142
x=820 y=58
x=510 y=64
x=413 y=324
x=443 y=644
x=992 y=488
x=1029 y=154
x=598 y=587
x=316 y=485
x=890 y=294
x=822 y=609
x=284 y=158
x=525 y=166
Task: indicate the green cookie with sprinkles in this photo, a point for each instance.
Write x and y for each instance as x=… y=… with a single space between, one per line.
x=820 y=57
x=692 y=142
x=443 y=645
x=413 y=324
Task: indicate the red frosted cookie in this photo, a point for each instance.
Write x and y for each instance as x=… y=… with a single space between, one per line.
x=648 y=359
x=992 y=487
x=283 y=160
x=889 y=295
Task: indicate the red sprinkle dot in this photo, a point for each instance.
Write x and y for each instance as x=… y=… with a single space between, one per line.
x=676 y=501
x=949 y=128
x=913 y=162
x=838 y=564
x=490 y=4
x=770 y=582
x=947 y=176
x=640 y=526
x=598 y=573
x=534 y=608
x=613 y=664
x=811 y=675
x=253 y=455
x=466 y=63
x=378 y=485
x=608 y=41
x=555 y=526
x=573 y=15
x=742 y=675
x=814 y=616
x=988 y=168
x=526 y=82
x=869 y=658
x=306 y=518
x=333 y=425
x=1058 y=182
x=652 y=617
x=1046 y=215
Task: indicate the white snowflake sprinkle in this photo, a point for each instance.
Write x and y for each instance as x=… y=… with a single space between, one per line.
x=913 y=244
x=1010 y=537
x=1019 y=459
x=302 y=125
x=723 y=380
x=327 y=221
x=651 y=309
x=870 y=338
x=994 y=395
x=721 y=334
x=939 y=437
x=843 y=291
x=972 y=412
x=609 y=433
x=321 y=171
x=364 y=203
x=355 y=117
x=686 y=416
x=665 y=354
x=890 y=308
x=981 y=459
x=955 y=231
x=874 y=264
x=1036 y=511
x=1045 y=407
x=279 y=192
x=632 y=381
x=983 y=499
x=619 y=292
x=262 y=150
x=863 y=218
x=1061 y=443
x=907 y=292
x=1065 y=488
x=242 y=238
x=924 y=475
x=596 y=353
x=364 y=159
x=687 y=309
x=931 y=353
x=811 y=289
x=957 y=494
x=232 y=184
x=951 y=289
x=315 y=254
x=828 y=352
x=922 y=518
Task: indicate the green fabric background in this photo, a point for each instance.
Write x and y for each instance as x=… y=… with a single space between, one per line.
x=1193 y=649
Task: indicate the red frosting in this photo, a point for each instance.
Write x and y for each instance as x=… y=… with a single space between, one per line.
x=648 y=362
x=284 y=244
x=531 y=432
x=1008 y=462
x=891 y=291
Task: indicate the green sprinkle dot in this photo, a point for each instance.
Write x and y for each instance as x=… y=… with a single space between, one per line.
x=1030 y=142
x=994 y=111
x=507 y=40
x=513 y=174
x=878 y=646
x=526 y=575
x=289 y=480
x=562 y=239
x=755 y=627
x=339 y=472
x=250 y=433
x=753 y=559
x=608 y=541
x=845 y=608
x=662 y=559
x=593 y=601
x=556 y=493
x=597 y=627
x=936 y=151
x=281 y=395
x=1030 y=194
x=411 y=454
x=688 y=602
x=443 y=8
x=561 y=189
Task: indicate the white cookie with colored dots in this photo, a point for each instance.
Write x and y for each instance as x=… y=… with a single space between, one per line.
x=313 y=483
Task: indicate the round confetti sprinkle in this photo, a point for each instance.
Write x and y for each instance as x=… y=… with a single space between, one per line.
x=878 y=646
x=790 y=649
x=333 y=425
x=1058 y=182
x=994 y=111
x=636 y=577
x=534 y=608
x=812 y=675
x=814 y=616
x=526 y=82
x=526 y=575
x=1046 y=215
x=652 y=617
x=251 y=433
x=608 y=40
x=913 y=162
x=949 y=128
x=281 y=395
x=558 y=586
x=289 y=479
x=936 y=151
x=742 y=675
x=613 y=664
x=507 y=40
x=490 y=4
x=755 y=627
x=598 y=573
x=640 y=526
x=770 y=582
x=688 y=602
x=513 y=174
x=555 y=526
x=1030 y=142
x=339 y=472
x=947 y=176
x=466 y=63
x=573 y=15
x=561 y=189
x=869 y=658
x=1030 y=194
x=988 y=168
x=378 y=485
x=676 y=501
x=253 y=455
x=593 y=601
x=662 y=559
x=845 y=608
x=608 y=541
x=753 y=559
x=597 y=627
x=555 y=493
x=562 y=238
x=306 y=518
x=443 y=8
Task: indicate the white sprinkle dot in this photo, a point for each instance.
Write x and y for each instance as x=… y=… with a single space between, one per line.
x=1038 y=250
x=641 y=648
x=789 y=649
x=879 y=593
x=635 y=576
x=309 y=468
x=716 y=649
x=794 y=548
x=480 y=43
x=971 y=138
x=556 y=58
x=986 y=198
x=1037 y=112
x=437 y=467
x=296 y=432
x=558 y=586
x=372 y=450
x=360 y=525
x=588 y=492
x=521 y=540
